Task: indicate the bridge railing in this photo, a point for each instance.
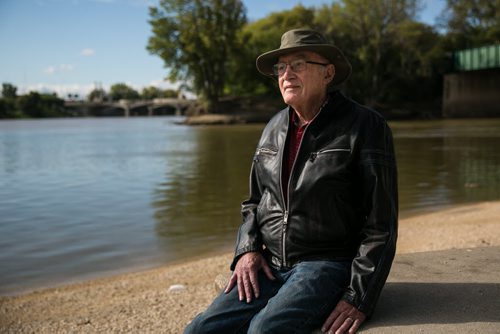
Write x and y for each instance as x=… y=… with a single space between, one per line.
x=480 y=58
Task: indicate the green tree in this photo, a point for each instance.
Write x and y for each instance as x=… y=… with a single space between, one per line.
x=368 y=33
x=121 y=91
x=38 y=105
x=471 y=23
x=8 y=102
x=195 y=39
x=97 y=94
x=169 y=93
x=30 y=104
x=418 y=63
x=9 y=90
x=8 y=108
x=151 y=92
x=256 y=38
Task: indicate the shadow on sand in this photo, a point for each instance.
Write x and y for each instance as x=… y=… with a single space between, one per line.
x=409 y=303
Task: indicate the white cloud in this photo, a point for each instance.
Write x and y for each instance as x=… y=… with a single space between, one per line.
x=66 y=67
x=56 y=69
x=49 y=70
x=87 y=52
x=62 y=90
x=163 y=84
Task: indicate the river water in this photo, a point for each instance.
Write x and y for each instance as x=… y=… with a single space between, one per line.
x=81 y=198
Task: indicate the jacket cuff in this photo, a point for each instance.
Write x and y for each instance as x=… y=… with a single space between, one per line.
x=351 y=299
x=240 y=252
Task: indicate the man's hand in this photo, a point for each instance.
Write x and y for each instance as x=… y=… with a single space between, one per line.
x=245 y=275
x=345 y=318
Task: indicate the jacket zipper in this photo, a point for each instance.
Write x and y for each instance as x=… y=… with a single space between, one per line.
x=284 y=263
x=285 y=214
x=285 y=225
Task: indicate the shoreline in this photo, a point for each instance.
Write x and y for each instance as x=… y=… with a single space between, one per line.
x=22 y=290
x=165 y=298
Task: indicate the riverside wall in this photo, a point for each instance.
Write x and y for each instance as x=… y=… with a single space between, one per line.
x=472 y=94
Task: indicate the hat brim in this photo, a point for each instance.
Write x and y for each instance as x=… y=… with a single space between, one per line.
x=343 y=69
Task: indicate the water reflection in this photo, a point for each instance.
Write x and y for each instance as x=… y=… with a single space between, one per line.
x=447 y=162
x=197 y=206
x=441 y=163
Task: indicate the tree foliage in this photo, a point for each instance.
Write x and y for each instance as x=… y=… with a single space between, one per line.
x=121 y=91
x=97 y=95
x=38 y=105
x=257 y=37
x=471 y=23
x=372 y=35
x=9 y=90
x=151 y=92
x=195 y=39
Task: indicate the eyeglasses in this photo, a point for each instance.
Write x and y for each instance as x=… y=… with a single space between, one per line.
x=298 y=65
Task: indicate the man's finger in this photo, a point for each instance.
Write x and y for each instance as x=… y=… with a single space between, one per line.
x=248 y=288
x=348 y=322
x=268 y=271
x=231 y=284
x=329 y=321
x=355 y=326
x=241 y=288
x=254 y=281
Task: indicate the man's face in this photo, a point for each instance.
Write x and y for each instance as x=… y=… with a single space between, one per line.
x=300 y=88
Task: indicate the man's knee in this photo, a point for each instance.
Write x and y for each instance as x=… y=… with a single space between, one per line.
x=203 y=325
x=262 y=324
x=194 y=326
x=258 y=327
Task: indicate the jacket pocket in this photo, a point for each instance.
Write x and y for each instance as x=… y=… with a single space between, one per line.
x=314 y=155
x=263 y=152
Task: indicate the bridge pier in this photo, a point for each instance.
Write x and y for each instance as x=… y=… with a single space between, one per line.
x=125 y=105
x=472 y=94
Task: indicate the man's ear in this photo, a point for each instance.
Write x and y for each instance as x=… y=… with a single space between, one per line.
x=330 y=73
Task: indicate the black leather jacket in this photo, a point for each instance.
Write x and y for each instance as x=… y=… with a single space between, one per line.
x=342 y=197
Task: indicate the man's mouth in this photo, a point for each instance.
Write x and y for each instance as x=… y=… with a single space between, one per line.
x=289 y=87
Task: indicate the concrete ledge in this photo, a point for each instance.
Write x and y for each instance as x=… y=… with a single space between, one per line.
x=452 y=291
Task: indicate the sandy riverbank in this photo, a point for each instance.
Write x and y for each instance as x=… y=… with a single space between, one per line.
x=144 y=302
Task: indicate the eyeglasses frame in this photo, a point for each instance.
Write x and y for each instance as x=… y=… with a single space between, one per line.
x=290 y=64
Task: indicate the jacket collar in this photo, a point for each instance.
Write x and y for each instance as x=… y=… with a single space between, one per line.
x=336 y=108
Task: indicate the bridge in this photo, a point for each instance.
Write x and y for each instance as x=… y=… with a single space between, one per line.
x=471 y=90
x=127 y=108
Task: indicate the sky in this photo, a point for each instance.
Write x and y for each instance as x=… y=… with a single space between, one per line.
x=74 y=46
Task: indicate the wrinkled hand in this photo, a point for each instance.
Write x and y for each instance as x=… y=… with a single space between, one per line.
x=245 y=275
x=345 y=318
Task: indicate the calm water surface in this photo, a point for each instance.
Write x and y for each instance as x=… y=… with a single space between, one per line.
x=87 y=197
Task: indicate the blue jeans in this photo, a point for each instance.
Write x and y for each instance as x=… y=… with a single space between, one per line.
x=298 y=301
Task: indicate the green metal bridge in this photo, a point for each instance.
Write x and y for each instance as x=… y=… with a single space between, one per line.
x=473 y=87
x=477 y=58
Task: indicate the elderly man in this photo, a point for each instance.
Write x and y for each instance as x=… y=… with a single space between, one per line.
x=320 y=225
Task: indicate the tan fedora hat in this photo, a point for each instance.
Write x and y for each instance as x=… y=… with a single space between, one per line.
x=306 y=40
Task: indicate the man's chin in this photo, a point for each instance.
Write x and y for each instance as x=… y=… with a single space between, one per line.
x=289 y=98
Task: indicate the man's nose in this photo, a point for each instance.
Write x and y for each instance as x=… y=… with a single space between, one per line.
x=288 y=71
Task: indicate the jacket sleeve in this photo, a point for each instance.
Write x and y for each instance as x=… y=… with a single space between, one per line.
x=249 y=239
x=378 y=178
